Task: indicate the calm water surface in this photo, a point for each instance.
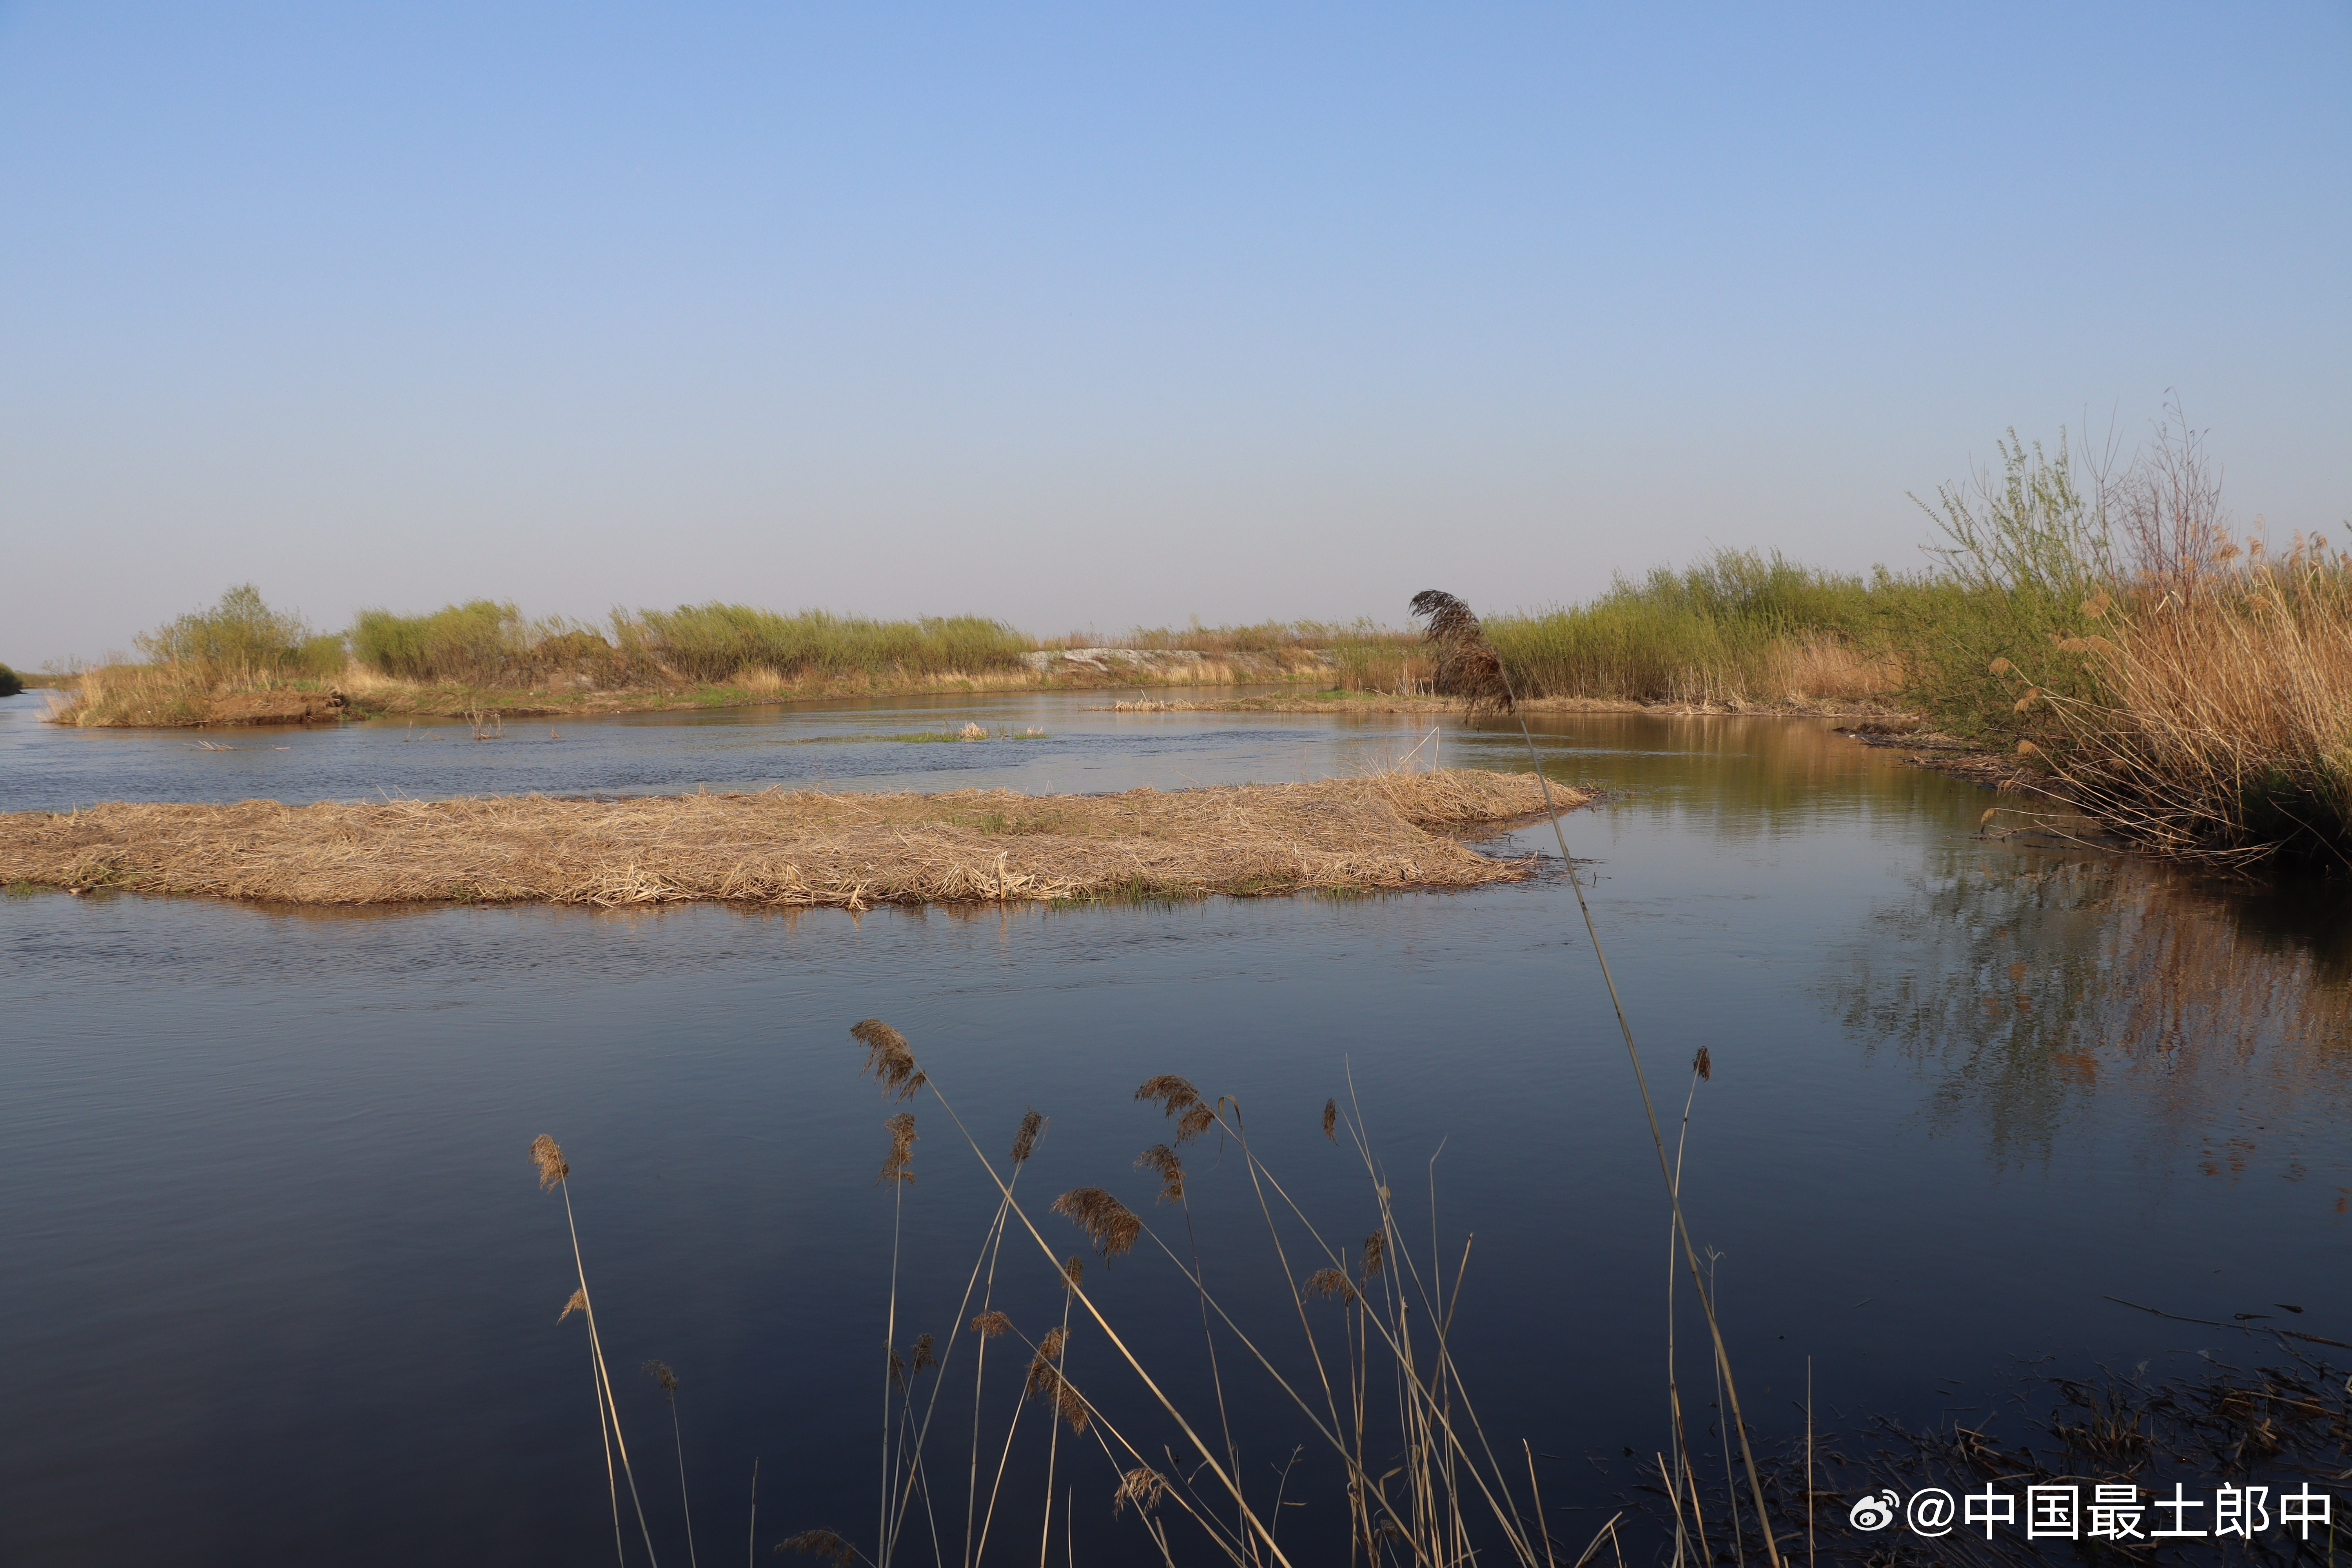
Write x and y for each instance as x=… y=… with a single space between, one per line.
x=279 y=1286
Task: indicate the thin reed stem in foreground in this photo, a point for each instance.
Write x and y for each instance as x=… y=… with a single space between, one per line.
x=555 y=1171
x=1484 y=681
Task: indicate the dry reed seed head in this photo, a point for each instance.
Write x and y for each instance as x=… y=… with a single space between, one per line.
x=1173 y=1095
x=1376 y=1252
x=897 y=1364
x=900 y=1165
x=1329 y=1282
x=1108 y=1222
x=2023 y=703
x=1193 y=1122
x=921 y=1356
x=1331 y=1120
x=1042 y=1372
x=821 y=1544
x=548 y=1155
x=660 y=1373
x=1449 y=619
x=578 y=1303
x=992 y=1325
x=1073 y=1272
x=1069 y=1405
x=2000 y=666
x=1025 y=1143
x=1702 y=1064
x=1161 y=1162
x=1144 y=1487
x=2098 y=604
x=888 y=1057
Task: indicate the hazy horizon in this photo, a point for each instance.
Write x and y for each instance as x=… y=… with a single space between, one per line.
x=1092 y=321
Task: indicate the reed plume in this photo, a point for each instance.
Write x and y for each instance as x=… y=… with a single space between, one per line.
x=1702 y=1064
x=1376 y=1252
x=1330 y=1282
x=1108 y=1222
x=1177 y=1097
x=992 y=1325
x=888 y=1057
x=579 y=1302
x=1025 y=1143
x=824 y=1544
x=1331 y=1120
x=548 y=1155
x=1467 y=665
x=1161 y=1162
x=1144 y=1487
x=901 y=1165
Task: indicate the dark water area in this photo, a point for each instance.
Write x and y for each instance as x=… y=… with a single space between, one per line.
x=279 y=1283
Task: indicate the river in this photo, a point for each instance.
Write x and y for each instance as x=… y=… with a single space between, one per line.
x=281 y=1286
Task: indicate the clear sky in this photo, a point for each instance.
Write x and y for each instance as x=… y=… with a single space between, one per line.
x=1097 y=315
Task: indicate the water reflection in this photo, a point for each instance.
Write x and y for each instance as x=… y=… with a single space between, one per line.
x=2030 y=983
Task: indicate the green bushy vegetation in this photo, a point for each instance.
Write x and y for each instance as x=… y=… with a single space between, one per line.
x=11 y=682
x=1737 y=626
x=714 y=642
x=241 y=638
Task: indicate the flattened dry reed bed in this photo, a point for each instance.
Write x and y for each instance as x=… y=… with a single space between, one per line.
x=1374 y=833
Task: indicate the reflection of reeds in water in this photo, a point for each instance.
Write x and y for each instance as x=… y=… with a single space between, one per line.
x=2027 y=984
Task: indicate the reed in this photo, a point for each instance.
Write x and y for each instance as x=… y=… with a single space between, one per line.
x=1422 y=1485
x=1737 y=626
x=555 y=1172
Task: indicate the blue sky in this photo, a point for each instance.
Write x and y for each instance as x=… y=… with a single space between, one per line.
x=1102 y=315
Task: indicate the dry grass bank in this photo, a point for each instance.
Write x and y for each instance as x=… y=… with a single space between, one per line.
x=2214 y=720
x=1380 y=832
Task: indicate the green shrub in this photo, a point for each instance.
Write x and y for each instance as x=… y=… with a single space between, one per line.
x=478 y=643
x=11 y=682
x=712 y=642
x=240 y=638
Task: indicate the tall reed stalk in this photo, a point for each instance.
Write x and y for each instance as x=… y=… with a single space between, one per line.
x=1469 y=667
x=555 y=1171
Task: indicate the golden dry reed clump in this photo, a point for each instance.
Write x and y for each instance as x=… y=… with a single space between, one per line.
x=1331 y=1120
x=1376 y=1252
x=888 y=1057
x=900 y=1165
x=1109 y=1224
x=578 y=1303
x=548 y=1155
x=992 y=1325
x=660 y=1373
x=1161 y=1162
x=1176 y=1096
